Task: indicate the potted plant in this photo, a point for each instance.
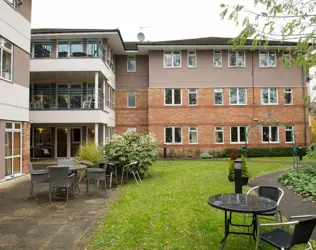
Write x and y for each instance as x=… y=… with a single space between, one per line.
x=244 y=171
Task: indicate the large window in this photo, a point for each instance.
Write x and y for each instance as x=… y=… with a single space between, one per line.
x=269 y=96
x=192 y=59
x=6 y=59
x=131 y=99
x=193 y=135
x=173 y=97
x=172 y=59
x=217 y=59
x=131 y=63
x=267 y=59
x=238 y=134
x=270 y=134
x=218 y=96
x=238 y=96
x=193 y=97
x=173 y=135
x=219 y=135
x=237 y=59
x=289 y=134
x=288 y=96
x=41 y=50
x=76 y=49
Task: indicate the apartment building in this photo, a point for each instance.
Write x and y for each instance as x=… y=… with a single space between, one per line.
x=15 y=38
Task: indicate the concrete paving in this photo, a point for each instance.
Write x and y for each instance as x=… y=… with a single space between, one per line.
x=33 y=223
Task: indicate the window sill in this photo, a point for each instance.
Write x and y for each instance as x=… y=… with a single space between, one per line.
x=289 y=142
x=269 y=104
x=193 y=143
x=238 y=104
x=238 y=142
x=236 y=67
x=267 y=67
x=264 y=142
x=219 y=143
x=192 y=67
x=173 y=105
x=290 y=104
x=218 y=67
x=193 y=105
x=10 y=81
x=218 y=104
x=165 y=67
x=131 y=107
x=173 y=143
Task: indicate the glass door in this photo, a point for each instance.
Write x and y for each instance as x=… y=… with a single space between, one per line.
x=62 y=142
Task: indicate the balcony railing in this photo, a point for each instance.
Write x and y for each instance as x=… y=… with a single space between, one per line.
x=65 y=99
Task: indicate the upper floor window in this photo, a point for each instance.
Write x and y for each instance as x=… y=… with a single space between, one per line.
x=41 y=50
x=6 y=59
x=270 y=134
x=131 y=63
x=267 y=59
x=193 y=97
x=237 y=59
x=63 y=49
x=74 y=49
x=238 y=96
x=192 y=59
x=172 y=59
x=288 y=96
x=218 y=96
x=269 y=96
x=286 y=59
x=173 y=97
x=131 y=99
x=217 y=59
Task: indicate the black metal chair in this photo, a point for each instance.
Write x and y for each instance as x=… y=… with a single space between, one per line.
x=133 y=169
x=110 y=171
x=97 y=174
x=59 y=178
x=283 y=239
x=38 y=176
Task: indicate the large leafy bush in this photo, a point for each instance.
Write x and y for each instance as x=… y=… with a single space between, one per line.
x=90 y=152
x=131 y=147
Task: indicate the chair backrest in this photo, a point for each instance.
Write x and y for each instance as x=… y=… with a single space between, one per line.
x=272 y=193
x=66 y=162
x=303 y=231
x=58 y=176
x=30 y=167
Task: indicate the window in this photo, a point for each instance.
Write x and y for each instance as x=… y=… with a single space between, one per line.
x=6 y=62
x=41 y=50
x=267 y=59
x=236 y=59
x=218 y=96
x=289 y=134
x=63 y=49
x=173 y=135
x=76 y=49
x=238 y=96
x=270 y=134
x=288 y=96
x=193 y=97
x=11 y=2
x=269 y=96
x=286 y=59
x=131 y=99
x=238 y=134
x=192 y=59
x=193 y=135
x=131 y=129
x=173 y=96
x=219 y=135
x=172 y=59
x=76 y=135
x=217 y=59
x=131 y=63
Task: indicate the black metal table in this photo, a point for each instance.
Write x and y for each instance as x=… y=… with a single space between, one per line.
x=241 y=203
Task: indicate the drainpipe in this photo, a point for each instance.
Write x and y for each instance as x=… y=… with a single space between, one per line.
x=304 y=106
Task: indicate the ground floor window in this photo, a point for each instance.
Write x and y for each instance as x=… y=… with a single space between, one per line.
x=193 y=135
x=173 y=135
x=13 y=148
x=41 y=143
x=270 y=134
x=289 y=134
x=238 y=134
x=219 y=135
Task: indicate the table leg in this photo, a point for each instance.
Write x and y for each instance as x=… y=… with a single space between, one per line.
x=223 y=241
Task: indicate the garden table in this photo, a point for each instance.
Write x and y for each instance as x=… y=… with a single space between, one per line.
x=241 y=203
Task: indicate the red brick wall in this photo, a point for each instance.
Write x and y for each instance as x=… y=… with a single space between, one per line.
x=25 y=146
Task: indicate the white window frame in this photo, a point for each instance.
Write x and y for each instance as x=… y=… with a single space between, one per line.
x=218 y=131
x=219 y=91
x=237 y=52
x=128 y=95
x=13 y=4
x=131 y=58
x=131 y=129
x=236 y=104
x=193 y=54
x=164 y=97
x=172 y=67
x=238 y=134
x=217 y=52
x=288 y=92
x=196 y=93
x=3 y=48
x=173 y=135
x=286 y=130
x=268 y=64
x=269 y=90
x=193 y=131
x=269 y=136
x=286 y=53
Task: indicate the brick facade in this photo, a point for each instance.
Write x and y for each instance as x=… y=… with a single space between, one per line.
x=26 y=130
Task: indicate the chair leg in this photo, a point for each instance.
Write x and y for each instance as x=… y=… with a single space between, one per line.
x=135 y=177
x=98 y=183
x=122 y=177
x=67 y=195
x=31 y=189
x=111 y=176
x=309 y=246
x=50 y=195
x=82 y=174
x=87 y=181
x=140 y=180
x=280 y=216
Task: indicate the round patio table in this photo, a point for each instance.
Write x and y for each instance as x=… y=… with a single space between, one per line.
x=241 y=203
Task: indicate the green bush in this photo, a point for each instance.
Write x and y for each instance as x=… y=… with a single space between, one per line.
x=131 y=147
x=90 y=152
x=206 y=156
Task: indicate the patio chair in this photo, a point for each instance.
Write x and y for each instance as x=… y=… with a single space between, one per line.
x=97 y=174
x=38 y=176
x=59 y=178
x=283 y=239
x=88 y=164
x=131 y=168
x=110 y=171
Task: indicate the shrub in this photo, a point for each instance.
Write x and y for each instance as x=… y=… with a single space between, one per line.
x=131 y=147
x=90 y=152
x=311 y=152
x=206 y=156
x=231 y=170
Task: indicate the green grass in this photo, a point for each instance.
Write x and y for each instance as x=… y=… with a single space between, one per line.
x=170 y=209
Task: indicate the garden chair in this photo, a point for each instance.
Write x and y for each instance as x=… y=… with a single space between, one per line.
x=59 y=178
x=88 y=164
x=110 y=171
x=97 y=174
x=131 y=168
x=283 y=239
x=38 y=176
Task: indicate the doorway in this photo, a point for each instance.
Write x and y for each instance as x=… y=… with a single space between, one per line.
x=62 y=142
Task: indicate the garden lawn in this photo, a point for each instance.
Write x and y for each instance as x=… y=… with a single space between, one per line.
x=169 y=210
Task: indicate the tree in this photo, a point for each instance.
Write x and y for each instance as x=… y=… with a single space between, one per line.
x=277 y=21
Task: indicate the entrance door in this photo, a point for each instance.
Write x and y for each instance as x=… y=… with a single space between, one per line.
x=62 y=142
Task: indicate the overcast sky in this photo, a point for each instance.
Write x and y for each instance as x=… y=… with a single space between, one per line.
x=168 y=19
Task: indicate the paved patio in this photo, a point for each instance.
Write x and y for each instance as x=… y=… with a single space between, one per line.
x=33 y=223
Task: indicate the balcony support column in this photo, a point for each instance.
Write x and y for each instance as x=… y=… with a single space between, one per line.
x=96 y=134
x=104 y=83
x=96 y=90
x=104 y=134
